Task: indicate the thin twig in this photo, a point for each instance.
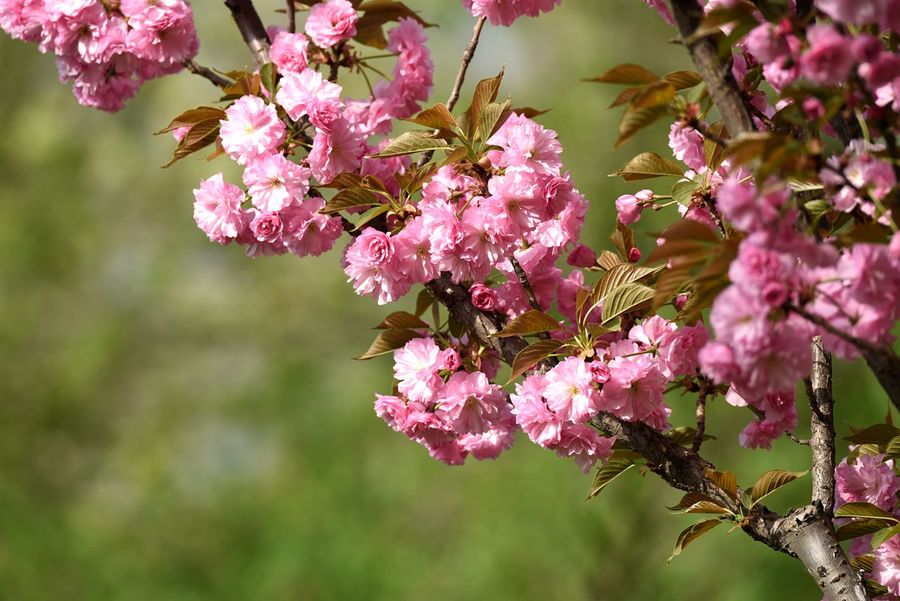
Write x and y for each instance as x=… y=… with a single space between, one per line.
x=825 y=325
x=207 y=73
x=523 y=281
x=468 y=55
x=793 y=437
x=292 y=16
x=703 y=131
x=701 y=422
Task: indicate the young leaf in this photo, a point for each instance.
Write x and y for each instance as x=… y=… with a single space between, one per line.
x=883 y=536
x=725 y=480
x=653 y=95
x=608 y=472
x=628 y=74
x=485 y=93
x=863 y=563
x=772 y=481
x=698 y=503
x=194 y=116
x=683 y=80
x=491 y=117
x=423 y=301
x=388 y=341
x=350 y=198
x=692 y=533
x=436 y=117
x=648 y=165
x=268 y=77
x=635 y=120
x=370 y=215
x=532 y=355
x=412 y=142
x=858 y=528
x=401 y=320
x=625 y=298
x=530 y=322
x=864 y=510
x=880 y=434
x=685 y=435
x=893 y=448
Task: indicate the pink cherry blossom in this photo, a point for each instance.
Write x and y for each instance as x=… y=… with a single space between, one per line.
x=330 y=22
x=524 y=143
x=217 y=209
x=868 y=480
x=251 y=129
x=416 y=368
x=288 y=52
x=274 y=182
x=570 y=392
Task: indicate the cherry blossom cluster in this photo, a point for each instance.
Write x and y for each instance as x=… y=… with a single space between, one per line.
x=873 y=479
x=106 y=49
x=308 y=115
x=627 y=377
x=450 y=411
x=504 y=12
x=528 y=211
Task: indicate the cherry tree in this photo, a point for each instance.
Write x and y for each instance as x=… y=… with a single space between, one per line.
x=782 y=251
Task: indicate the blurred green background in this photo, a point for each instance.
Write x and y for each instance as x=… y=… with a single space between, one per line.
x=182 y=423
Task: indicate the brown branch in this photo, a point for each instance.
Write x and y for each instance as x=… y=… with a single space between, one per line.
x=207 y=73
x=719 y=81
x=821 y=402
x=883 y=361
x=292 y=16
x=526 y=285
x=252 y=29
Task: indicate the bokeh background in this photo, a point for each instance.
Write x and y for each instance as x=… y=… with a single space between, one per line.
x=182 y=423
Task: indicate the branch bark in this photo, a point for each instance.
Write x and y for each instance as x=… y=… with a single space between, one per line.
x=821 y=403
x=252 y=29
x=207 y=73
x=719 y=81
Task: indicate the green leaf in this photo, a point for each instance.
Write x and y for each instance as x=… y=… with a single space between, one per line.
x=725 y=480
x=771 y=481
x=628 y=74
x=863 y=563
x=608 y=472
x=401 y=320
x=692 y=533
x=635 y=120
x=530 y=322
x=412 y=142
x=268 y=77
x=388 y=341
x=683 y=191
x=626 y=298
x=883 y=536
x=423 y=301
x=376 y=13
x=490 y=119
x=350 y=198
x=858 y=528
x=648 y=165
x=616 y=276
x=697 y=503
x=880 y=434
x=864 y=510
x=199 y=136
x=685 y=435
x=893 y=448
x=370 y=215
x=532 y=355
x=874 y=589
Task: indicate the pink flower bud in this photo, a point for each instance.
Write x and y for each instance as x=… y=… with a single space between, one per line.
x=599 y=372
x=813 y=108
x=634 y=255
x=484 y=298
x=450 y=360
x=629 y=209
x=582 y=256
x=774 y=294
x=266 y=227
x=680 y=301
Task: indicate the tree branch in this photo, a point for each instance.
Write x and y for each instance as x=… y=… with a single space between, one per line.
x=252 y=29
x=292 y=16
x=526 y=285
x=206 y=72
x=821 y=402
x=719 y=81
x=701 y=422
